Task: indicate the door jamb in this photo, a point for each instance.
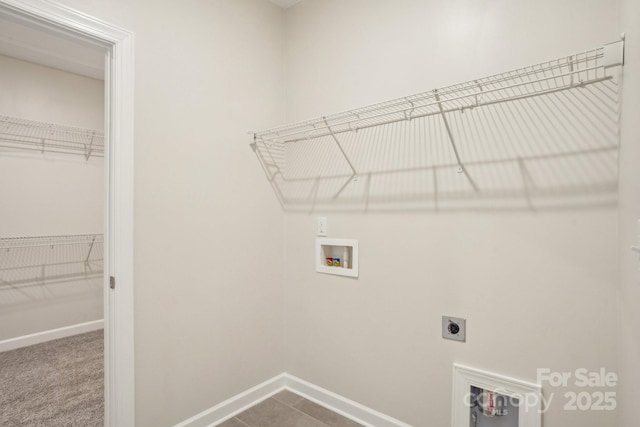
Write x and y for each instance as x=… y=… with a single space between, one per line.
x=119 y=137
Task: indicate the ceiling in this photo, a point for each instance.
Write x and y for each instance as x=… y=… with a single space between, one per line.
x=285 y=3
x=33 y=44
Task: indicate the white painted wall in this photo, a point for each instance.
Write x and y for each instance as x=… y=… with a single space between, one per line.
x=49 y=194
x=538 y=289
x=629 y=348
x=209 y=261
x=208 y=231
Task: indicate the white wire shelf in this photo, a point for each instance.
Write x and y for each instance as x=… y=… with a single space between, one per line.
x=562 y=74
x=8 y=243
x=50 y=259
x=19 y=133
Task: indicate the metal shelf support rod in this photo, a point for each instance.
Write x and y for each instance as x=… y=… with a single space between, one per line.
x=452 y=141
x=90 y=248
x=340 y=147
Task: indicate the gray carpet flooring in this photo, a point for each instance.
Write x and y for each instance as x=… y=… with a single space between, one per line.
x=54 y=384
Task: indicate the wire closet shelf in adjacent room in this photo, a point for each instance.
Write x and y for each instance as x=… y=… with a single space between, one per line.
x=563 y=74
x=17 y=133
x=47 y=259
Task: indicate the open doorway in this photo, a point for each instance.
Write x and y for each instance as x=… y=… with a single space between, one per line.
x=81 y=270
x=51 y=232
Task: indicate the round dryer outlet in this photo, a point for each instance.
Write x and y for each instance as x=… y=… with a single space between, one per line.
x=454 y=328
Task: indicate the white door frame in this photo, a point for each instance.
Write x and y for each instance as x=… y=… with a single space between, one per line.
x=118 y=262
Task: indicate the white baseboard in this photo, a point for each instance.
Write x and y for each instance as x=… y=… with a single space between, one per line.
x=353 y=410
x=339 y=404
x=236 y=404
x=54 y=334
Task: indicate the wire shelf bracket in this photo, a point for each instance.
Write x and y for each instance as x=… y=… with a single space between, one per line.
x=452 y=141
x=354 y=176
x=562 y=74
x=266 y=166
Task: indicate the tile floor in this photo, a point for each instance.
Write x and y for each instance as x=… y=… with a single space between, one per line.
x=287 y=409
